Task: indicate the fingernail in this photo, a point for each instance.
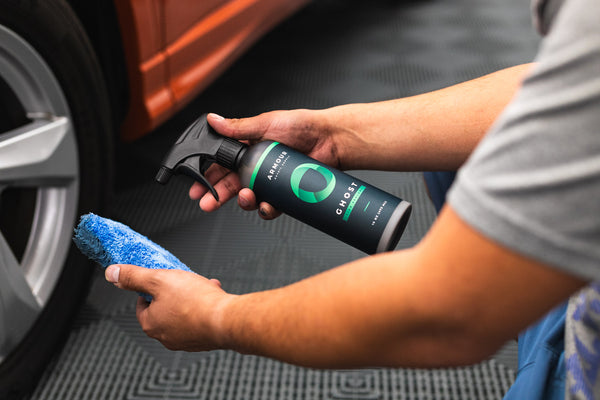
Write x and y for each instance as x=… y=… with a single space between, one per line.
x=112 y=274
x=216 y=116
x=243 y=201
x=263 y=211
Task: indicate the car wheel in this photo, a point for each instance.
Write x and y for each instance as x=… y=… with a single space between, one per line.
x=55 y=160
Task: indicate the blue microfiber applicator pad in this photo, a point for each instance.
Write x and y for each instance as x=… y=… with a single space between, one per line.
x=109 y=242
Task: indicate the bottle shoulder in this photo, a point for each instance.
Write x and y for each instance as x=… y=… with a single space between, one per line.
x=251 y=158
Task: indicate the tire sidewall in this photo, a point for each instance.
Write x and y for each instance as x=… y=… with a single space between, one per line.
x=53 y=30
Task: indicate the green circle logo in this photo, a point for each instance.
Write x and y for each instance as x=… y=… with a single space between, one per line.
x=305 y=195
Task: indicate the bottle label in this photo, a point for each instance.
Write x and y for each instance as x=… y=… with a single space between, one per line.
x=325 y=198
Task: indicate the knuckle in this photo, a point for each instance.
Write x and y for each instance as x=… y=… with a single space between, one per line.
x=152 y=282
x=231 y=185
x=125 y=278
x=169 y=346
x=151 y=332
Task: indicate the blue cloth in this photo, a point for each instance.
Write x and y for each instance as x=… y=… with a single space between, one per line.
x=109 y=242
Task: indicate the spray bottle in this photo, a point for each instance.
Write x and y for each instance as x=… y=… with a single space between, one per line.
x=336 y=203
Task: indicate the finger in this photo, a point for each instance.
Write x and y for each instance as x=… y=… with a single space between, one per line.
x=267 y=211
x=197 y=190
x=252 y=128
x=132 y=277
x=227 y=188
x=213 y=175
x=247 y=199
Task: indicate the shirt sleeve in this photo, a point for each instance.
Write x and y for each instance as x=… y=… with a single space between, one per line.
x=533 y=183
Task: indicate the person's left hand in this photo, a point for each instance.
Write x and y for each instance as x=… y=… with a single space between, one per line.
x=185 y=312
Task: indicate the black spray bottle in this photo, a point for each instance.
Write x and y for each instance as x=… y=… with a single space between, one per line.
x=327 y=199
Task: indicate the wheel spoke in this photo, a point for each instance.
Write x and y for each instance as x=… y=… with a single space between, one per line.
x=18 y=306
x=38 y=154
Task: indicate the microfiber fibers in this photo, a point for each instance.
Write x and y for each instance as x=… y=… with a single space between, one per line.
x=109 y=242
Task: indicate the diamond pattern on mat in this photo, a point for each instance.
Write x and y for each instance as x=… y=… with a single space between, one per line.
x=101 y=361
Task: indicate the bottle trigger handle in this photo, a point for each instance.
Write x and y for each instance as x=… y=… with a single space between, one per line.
x=189 y=168
x=195 y=150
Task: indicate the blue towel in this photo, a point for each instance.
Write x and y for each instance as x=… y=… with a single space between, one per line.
x=109 y=242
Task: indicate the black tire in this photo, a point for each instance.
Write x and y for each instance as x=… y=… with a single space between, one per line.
x=74 y=99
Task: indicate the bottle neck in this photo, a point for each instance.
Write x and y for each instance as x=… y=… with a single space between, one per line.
x=230 y=153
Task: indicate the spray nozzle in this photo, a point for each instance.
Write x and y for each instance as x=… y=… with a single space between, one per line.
x=196 y=149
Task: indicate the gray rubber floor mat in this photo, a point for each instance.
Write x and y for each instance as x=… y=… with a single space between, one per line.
x=332 y=52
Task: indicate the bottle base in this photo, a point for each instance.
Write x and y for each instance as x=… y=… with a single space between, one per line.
x=395 y=227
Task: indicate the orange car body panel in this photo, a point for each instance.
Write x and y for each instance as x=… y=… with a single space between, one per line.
x=176 y=48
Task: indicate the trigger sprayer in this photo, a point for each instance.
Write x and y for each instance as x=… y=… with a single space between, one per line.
x=336 y=203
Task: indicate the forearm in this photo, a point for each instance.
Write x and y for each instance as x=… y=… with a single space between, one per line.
x=445 y=302
x=432 y=131
x=360 y=314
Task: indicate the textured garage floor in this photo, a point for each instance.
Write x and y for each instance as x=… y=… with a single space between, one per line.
x=333 y=52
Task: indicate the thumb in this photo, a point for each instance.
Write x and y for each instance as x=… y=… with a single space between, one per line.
x=131 y=277
x=252 y=128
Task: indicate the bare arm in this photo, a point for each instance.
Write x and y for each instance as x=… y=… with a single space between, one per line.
x=452 y=300
x=432 y=131
x=411 y=308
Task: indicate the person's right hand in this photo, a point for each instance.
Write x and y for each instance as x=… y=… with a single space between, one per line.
x=304 y=130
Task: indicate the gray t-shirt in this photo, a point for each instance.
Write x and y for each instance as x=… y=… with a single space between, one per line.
x=533 y=183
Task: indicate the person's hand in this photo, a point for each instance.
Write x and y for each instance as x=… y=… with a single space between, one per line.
x=185 y=311
x=304 y=130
